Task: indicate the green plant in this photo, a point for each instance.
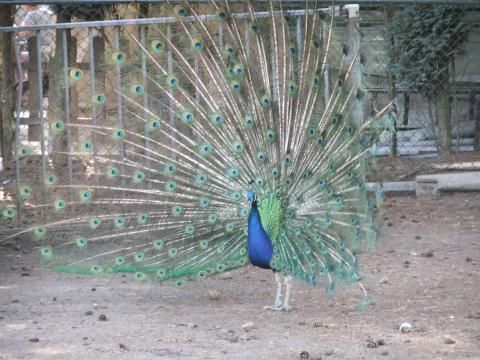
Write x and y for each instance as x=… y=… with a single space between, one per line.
x=424 y=42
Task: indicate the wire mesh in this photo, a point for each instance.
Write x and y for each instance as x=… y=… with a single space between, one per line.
x=432 y=76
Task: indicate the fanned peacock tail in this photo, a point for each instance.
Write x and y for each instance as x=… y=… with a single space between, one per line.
x=185 y=120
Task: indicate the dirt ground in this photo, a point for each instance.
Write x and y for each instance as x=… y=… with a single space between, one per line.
x=425 y=271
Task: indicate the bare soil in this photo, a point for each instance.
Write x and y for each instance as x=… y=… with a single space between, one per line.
x=425 y=271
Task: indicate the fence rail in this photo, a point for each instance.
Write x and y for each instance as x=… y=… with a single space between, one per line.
x=150 y=21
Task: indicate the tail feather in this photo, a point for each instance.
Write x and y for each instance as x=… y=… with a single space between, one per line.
x=184 y=125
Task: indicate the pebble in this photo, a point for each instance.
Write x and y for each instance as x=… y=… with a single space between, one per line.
x=383 y=280
x=228 y=335
x=329 y=352
x=226 y=276
x=189 y=326
x=35 y=340
x=123 y=347
x=247 y=337
x=89 y=312
x=405 y=327
x=249 y=326
x=427 y=254
x=381 y=342
x=448 y=340
x=214 y=295
x=318 y=324
x=304 y=355
x=384 y=353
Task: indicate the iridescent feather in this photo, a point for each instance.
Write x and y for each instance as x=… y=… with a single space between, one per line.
x=190 y=119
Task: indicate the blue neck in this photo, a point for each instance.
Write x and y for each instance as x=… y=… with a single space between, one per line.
x=260 y=248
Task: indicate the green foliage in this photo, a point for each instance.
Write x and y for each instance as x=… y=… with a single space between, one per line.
x=424 y=41
x=84 y=11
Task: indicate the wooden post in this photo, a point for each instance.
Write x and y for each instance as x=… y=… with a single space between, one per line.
x=56 y=93
x=392 y=86
x=7 y=87
x=33 y=90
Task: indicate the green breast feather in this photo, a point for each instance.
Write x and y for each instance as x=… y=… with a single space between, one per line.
x=271 y=215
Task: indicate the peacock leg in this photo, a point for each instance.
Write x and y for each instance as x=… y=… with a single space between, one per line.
x=277 y=305
x=288 y=285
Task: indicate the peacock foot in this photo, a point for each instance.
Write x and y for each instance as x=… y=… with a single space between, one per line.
x=278 y=308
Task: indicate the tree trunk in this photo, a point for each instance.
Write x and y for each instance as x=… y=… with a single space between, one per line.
x=7 y=88
x=354 y=39
x=444 y=122
x=56 y=95
x=392 y=86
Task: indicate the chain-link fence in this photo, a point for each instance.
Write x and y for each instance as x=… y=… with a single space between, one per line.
x=427 y=58
x=424 y=57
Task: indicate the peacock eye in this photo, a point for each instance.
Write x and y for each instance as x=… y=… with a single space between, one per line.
x=190 y=132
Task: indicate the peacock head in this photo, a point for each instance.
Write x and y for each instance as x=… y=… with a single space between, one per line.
x=252 y=198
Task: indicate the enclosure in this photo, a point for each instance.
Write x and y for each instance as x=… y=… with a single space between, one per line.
x=422 y=273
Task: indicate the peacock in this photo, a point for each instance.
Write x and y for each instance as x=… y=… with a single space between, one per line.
x=227 y=137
